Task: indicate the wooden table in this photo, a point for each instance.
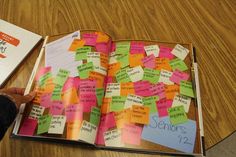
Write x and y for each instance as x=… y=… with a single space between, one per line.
x=209 y=25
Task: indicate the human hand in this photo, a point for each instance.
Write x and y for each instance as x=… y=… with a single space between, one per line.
x=17 y=95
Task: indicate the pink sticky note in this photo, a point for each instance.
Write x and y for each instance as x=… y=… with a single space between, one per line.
x=158 y=89
x=149 y=61
x=136 y=47
x=165 y=52
x=56 y=108
x=87 y=101
x=41 y=72
x=178 y=76
x=131 y=134
x=87 y=86
x=45 y=100
x=162 y=107
x=108 y=120
x=90 y=39
x=113 y=47
x=142 y=88
x=100 y=135
x=102 y=47
x=28 y=127
x=71 y=82
x=74 y=112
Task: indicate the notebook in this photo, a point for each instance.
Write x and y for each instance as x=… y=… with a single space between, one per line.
x=15 y=44
x=130 y=95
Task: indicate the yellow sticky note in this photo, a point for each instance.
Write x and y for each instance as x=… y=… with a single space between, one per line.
x=122 y=118
x=140 y=114
x=98 y=77
x=136 y=60
x=104 y=60
x=105 y=105
x=171 y=91
x=70 y=97
x=72 y=130
x=102 y=37
x=113 y=68
x=126 y=88
x=77 y=43
x=163 y=63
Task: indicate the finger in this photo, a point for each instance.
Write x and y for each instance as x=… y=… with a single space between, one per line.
x=15 y=90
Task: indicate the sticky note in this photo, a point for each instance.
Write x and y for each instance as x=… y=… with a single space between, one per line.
x=117 y=103
x=152 y=49
x=126 y=88
x=76 y=43
x=44 y=123
x=159 y=90
x=84 y=70
x=122 y=76
x=179 y=137
x=171 y=91
x=122 y=47
x=99 y=95
x=102 y=37
x=151 y=75
x=57 y=124
x=28 y=127
x=42 y=71
x=49 y=86
x=163 y=63
x=44 y=78
x=131 y=134
x=102 y=47
x=70 y=97
x=113 y=68
x=122 y=117
x=149 y=61
x=140 y=114
x=45 y=100
x=104 y=60
x=105 y=108
x=113 y=89
x=113 y=138
x=178 y=64
x=178 y=76
x=133 y=100
x=94 y=57
x=88 y=132
x=99 y=78
x=136 y=73
x=142 y=88
x=108 y=120
x=56 y=94
x=136 y=60
x=56 y=108
x=100 y=70
x=95 y=116
x=81 y=53
x=89 y=38
x=151 y=103
x=181 y=100
x=186 y=88
x=180 y=51
x=177 y=115
x=112 y=58
x=165 y=52
x=87 y=101
x=162 y=107
x=71 y=82
x=123 y=59
x=36 y=111
x=87 y=86
x=61 y=77
x=72 y=130
x=136 y=47
x=74 y=112
x=165 y=77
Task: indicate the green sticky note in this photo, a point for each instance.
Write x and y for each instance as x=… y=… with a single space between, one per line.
x=84 y=70
x=117 y=103
x=151 y=103
x=122 y=76
x=99 y=95
x=44 y=123
x=186 y=88
x=123 y=59
x=151 y=75
x=122 y=48
x=61 y=77
x=178 y=64
x=44 y=78
x=81 y=53
x=56 y=94
x=177 y=115
x=95 y=116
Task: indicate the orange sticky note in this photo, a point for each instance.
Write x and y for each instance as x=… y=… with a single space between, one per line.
x=104 y=60
x=39 y=92
x=102 y=37
x=113 y=68
x=77 y=43
x=122 y=118
x=126 y=88
x=49 y=86
x=136 y=60
x=105 y=105
x=171 y=90
x=163 y=63
x=70 y=97
x=140 y=114
x=72 y=130
x=98 y=77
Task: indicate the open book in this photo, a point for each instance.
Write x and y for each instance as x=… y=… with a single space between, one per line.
x=134 y=95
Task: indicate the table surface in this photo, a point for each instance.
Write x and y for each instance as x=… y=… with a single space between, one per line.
x=209 y=25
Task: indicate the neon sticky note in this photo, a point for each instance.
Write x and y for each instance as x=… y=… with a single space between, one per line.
x=84 y=70
x=45 y=100
x=126 y=88
x=181 y=100
x=36 y=111
x=100 y=135
x=165 y=77
x=99 y=95
x=123 y=59
x=113 y=89
x=95 y=116
x=113 y=68
x=178 y=75
x=178 y=64
x=165 y=52
x=100 y=70
x=113 y=138
x=94 y=57
x=140 y=114
x=149 y=61
x=56 y=94
x=44 y=123
x=71 y=82
x=102 y=37
x=76 y=43
x=49 y=86
x=108 y=120
x=163 y=63
x=122 y=76
x=133 y=100
x=89 y=38
x=177 y=115
x=44 y=78
x=57 y=124
x=136 y=73
x=136 y=47
x=61 y=77
x=171 y=91
x=72 y=130
x=131 y=134
x=151 y=75
x=81 y=53
x=74 y=112
x=102 y=47
x=136 y=60
x=87 y=86
x=70 y=97
x=152 y=49
x=39 y=91
x=88 y=101
x=112 y=58
x=88 y=132
x=122 y=118
x=162 y=107
x=151 y=103
x=180 y=51
x=42 y=71
x=117 y=103
x=28 y=127
x=186 y=88
x=122 y=47
x=104 y=60
x=105 y=108
x=56 y=108
x=159 y=90
x=99 y=78
x=142 y=88
x=162 y=132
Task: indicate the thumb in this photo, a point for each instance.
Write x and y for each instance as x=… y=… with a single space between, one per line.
x=29 y=97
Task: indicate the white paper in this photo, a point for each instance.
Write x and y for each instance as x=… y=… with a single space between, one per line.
x=165 y=77
x=112 y=58
x=180 y=51
x=182 y=100
x=36 y=111
x=88 y=132
x=133 y=100
x=113 y=89
x=57 y=124
x=94 y=57
x=136 y=73
x=112 y=138
x=152 y=49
